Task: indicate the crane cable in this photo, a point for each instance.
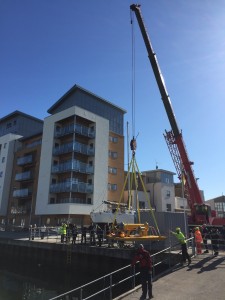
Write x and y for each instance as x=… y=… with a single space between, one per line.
x=133 y=73
x=135 y=169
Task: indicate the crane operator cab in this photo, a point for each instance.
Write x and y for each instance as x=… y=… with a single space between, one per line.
x=202 y=213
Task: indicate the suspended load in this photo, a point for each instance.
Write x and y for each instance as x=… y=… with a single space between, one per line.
x=135 y=232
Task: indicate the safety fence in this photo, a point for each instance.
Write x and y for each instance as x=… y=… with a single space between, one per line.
x=89 y=237
x=116 y=283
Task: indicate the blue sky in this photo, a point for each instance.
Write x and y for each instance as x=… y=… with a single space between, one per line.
x=47 y=46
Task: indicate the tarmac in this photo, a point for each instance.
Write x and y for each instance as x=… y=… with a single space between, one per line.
x=203 y=279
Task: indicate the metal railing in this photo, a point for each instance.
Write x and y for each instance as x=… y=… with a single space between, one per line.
x=112 y=285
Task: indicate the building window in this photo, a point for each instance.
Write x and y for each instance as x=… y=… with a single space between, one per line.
x=167 y=194
x=52 y=200
x=112 y=187
x=8 y=125
x=113 y=139
x=5 y=145
x=168 y=207
x=3 y=159
x=112 y=154
x=54 y=181
x=112 y=170
x=141 y=204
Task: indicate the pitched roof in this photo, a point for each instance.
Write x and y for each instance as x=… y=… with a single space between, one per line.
x=72 y=90
x=19 y=113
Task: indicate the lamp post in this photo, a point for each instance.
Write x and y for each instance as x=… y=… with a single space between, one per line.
x=31 y=209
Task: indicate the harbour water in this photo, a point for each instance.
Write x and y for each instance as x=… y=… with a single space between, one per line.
x=31 y=280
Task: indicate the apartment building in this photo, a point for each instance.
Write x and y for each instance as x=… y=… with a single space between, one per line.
x=24 y=181
x=71 y=167
x=160 y=184
x=15 y=128
x=159 y=187
x=82 y=157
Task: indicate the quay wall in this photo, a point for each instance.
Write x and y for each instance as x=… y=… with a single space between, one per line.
x=62 y=254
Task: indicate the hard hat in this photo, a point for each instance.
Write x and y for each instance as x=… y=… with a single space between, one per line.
x=196 y=228
x=177 y=228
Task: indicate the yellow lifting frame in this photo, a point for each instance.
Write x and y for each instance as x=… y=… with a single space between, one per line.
x=135 y=168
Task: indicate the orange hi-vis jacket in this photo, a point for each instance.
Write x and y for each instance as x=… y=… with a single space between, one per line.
x=198 y=236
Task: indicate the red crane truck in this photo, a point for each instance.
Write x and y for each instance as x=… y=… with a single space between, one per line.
x=200 y=212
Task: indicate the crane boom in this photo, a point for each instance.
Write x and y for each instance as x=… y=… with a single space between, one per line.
x=173 y=137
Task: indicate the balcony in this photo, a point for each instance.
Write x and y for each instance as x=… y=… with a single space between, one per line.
x=71 y=186
x=19 y=210
x=23 y=176
x=73 y=165
x=28 y=159
x=22 y=193
x=77 y=128
x=76 y=147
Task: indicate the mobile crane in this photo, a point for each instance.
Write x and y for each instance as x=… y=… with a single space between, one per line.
x=200 y=212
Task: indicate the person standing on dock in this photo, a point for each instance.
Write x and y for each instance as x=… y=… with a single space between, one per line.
x=145 y=260
x=43 y=231
x=92 y=234
x=74 y=234
x=99 y=235
x=83 y=235
x=215 y=240
x=62 y=231
x=205 y=236
x=198 y=240
x=181 y=238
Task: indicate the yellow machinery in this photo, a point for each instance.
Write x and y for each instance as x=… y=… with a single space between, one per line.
x=135 y=232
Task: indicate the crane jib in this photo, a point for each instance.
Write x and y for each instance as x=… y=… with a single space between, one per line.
x=193 y=192
x=156 y=69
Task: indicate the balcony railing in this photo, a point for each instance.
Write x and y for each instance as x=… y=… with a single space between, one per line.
x=77 y=187
x=20 y=193
x=24 y=160
x=73 y=165
x=23 y=176
x=18 y=210
x=72 y=200
x=77 y=128
x=76 y=147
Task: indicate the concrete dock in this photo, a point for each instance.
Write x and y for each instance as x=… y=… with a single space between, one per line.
x=203 y=279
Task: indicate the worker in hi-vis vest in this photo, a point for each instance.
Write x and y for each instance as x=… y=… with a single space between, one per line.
x=181 y=238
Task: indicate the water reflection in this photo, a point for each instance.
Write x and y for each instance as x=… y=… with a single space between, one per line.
x=23 y=280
